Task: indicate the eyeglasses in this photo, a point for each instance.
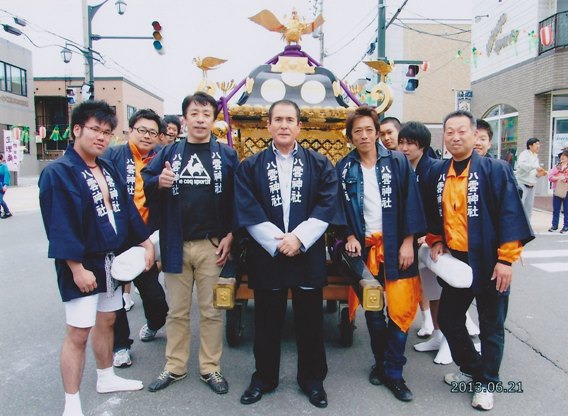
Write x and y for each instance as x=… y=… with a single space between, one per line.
x=106 y=133
x=143 y=131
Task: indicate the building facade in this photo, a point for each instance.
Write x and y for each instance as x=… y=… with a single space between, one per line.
x=520 y=75
x=17 y=102
x=55 y=98
x=446 y=71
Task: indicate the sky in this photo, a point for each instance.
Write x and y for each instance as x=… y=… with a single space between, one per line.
x=191 y=28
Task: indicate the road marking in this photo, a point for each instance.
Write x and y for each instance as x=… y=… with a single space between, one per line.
x=552 y=267
x=542 y=254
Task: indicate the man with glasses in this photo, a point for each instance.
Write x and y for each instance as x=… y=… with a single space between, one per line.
x=129 y=159
x=192 y=182
x=89 y=218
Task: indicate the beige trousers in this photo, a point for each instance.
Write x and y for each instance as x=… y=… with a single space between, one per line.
x=198 y=267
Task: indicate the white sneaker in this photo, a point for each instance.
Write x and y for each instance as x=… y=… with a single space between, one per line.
x=472 y=328
x=457 y=377
x=115 y=383
x=128 y=302
x=482 y=400
x=146 y=334
x=444 y=355
x=477 y=346
x=121 y=358
x=433 y=344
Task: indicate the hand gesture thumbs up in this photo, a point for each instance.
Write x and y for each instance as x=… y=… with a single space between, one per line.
x=167 y=177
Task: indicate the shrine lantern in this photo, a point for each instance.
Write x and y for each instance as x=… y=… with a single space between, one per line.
x=546 y=35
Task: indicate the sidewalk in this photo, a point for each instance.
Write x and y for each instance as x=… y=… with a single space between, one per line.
x=25 y=198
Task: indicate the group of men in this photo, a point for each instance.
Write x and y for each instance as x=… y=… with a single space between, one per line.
x=195 y=192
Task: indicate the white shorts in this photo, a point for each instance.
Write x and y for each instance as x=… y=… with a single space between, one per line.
x=431 y=289
x=82 y=312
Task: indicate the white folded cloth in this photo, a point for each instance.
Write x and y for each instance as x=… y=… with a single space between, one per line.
x=129 y=264
x=454 y=272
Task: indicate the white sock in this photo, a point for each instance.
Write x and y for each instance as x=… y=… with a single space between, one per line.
x=444 y=355
x=427 y=324
x=472 y=328
x=105 y=373
x=433 y=344
x=108 y=382
x=72 y=405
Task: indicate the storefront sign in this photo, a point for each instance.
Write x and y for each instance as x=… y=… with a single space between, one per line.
x=495 y=44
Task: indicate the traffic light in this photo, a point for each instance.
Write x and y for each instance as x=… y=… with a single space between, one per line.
x=411 y=81
x=71 y=96
x=157 y=35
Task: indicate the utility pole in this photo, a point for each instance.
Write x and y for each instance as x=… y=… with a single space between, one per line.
x=381 y=30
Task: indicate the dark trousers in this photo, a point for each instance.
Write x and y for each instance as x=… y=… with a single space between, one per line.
x=492 y=309
x=558 y=203
x=387 y=343
x=153 y=302
x=269 y=313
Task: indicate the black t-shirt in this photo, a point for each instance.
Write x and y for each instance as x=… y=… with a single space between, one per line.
x=197 y=193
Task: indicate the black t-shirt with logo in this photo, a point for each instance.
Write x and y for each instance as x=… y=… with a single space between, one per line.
x=197 y=193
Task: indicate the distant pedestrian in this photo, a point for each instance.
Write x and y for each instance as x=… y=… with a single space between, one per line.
x=528 y=170
x=4 y=183
x=558 y=176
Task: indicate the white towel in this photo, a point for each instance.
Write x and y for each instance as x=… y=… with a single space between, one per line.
x=127 y=266
x=454 y=272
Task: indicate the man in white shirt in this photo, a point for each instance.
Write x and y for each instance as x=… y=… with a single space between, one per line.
x=527 y=172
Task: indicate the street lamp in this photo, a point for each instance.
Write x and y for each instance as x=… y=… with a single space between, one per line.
x=66 y=54
x=120 y=6
x=88 y=14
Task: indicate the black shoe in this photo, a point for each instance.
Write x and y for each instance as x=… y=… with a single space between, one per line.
x=251 y=395
x=562 y=231
x=552 y=229
x=317 y=397
x=398 y=389
x=216 y=381
x=6 y=215
x=375 y=376
x=164 y=380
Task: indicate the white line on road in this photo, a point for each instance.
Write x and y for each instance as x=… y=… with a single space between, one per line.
x=552 y=267
x=541 y=254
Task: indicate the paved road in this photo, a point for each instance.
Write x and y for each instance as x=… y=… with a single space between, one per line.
x=32 y=328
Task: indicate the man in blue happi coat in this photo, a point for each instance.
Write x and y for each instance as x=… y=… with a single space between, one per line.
x=384 y=213
x=89 y=218
x=286 y=196
x=190 y=183
x=479 y=219
x=129 y=159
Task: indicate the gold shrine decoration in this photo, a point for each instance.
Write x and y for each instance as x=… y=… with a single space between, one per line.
x=207 y=64
x=292 y=64
x=381 y=92
x=226 y=86
x=292 y=30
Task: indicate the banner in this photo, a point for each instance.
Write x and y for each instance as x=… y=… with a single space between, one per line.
x=11 y=152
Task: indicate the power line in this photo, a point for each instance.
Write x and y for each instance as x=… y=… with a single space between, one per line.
x=405 y=26
x=439 y=21
x=355 y=37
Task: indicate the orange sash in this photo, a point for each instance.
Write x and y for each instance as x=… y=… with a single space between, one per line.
x=403 y=295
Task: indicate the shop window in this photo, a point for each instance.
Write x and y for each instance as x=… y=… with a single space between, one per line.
x=560 y=102
x=504 y=121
